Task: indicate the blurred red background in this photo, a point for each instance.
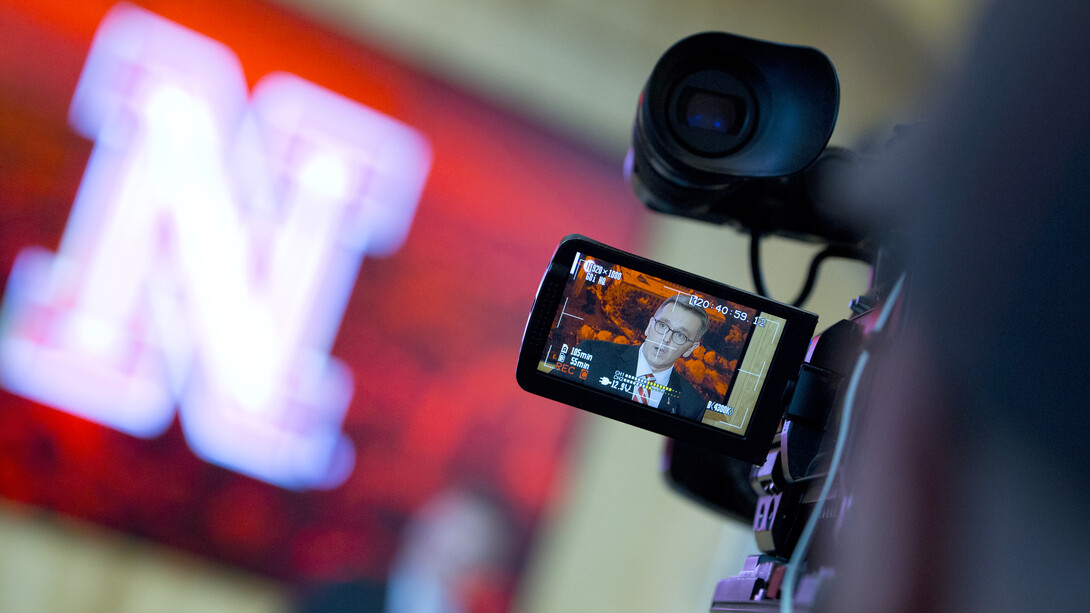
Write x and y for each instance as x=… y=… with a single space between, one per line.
x=440 y=320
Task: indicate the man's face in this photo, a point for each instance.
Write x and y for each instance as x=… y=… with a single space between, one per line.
x=662 y=348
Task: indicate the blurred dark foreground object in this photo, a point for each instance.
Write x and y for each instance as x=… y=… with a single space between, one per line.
x=974 y=464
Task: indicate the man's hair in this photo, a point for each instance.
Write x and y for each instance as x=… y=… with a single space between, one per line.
x=692 y=308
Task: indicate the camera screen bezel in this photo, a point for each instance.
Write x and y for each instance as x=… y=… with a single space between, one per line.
x=769 y=409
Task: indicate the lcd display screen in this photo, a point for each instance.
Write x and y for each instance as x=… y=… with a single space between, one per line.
x=661 y=345
x=663 y=349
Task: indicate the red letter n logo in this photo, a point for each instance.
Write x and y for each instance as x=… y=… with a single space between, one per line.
x=210 y=253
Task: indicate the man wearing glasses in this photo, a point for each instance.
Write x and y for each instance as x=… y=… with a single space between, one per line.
x=646 y=373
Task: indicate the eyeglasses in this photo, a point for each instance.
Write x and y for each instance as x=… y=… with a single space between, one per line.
x=669 y=335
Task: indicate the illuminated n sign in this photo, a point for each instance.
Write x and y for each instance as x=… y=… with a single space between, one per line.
x=210 y=253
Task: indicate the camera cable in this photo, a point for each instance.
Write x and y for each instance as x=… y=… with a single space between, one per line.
x=831 y=251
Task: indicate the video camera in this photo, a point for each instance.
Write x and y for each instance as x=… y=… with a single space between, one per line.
x=757 y=409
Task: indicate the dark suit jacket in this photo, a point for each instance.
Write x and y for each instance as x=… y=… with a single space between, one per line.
x=681 y=399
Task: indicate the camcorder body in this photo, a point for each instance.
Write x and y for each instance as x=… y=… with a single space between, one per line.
x=756 y=407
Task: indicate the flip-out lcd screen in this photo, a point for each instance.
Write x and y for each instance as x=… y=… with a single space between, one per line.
x=662 y=349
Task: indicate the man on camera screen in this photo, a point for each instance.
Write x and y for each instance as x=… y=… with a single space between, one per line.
x=645 y=373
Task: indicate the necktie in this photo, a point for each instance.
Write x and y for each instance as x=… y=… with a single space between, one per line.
x=642 y=394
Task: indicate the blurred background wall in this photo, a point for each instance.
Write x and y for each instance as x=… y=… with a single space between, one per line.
x=611 y=537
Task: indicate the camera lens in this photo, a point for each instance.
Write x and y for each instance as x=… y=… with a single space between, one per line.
x=713 y=112
x=700 y=108
x=719 y=110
